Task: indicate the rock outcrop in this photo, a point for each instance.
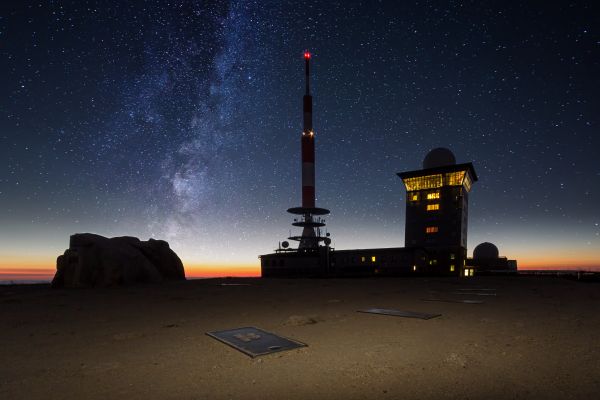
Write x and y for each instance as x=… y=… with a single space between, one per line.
x=94 y=260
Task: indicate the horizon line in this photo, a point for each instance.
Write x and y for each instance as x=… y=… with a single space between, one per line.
x=46 y=274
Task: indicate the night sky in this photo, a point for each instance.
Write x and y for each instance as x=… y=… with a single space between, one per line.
x=181 y=120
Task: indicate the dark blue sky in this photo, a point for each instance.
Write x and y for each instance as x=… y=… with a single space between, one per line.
x=181 y=120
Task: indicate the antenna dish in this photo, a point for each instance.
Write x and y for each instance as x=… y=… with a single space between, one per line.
x=439 y=157
x=485 y=250
x=285 y=244
x=327 y=241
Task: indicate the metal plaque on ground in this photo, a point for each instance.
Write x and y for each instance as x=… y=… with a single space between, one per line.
x=400 y=313
x=255 y=342
x=456 y=301
x=474 y=293
x=233 y=284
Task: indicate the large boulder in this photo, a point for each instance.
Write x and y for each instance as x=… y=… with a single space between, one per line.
x=94 y=260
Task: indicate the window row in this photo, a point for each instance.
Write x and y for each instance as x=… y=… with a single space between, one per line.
x=430 y=196
x=435 y=181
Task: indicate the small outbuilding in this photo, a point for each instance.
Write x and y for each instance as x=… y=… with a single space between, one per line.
x=486 y=259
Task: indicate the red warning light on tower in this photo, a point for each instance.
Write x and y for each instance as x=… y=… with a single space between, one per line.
x=306 y=55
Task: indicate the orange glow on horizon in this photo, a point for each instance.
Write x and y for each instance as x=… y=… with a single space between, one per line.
x=557 y=258
x=559 y=264
x=34 y=268
x=29 y=274
x=42 y=268
x=12 y=268
x=219 y=270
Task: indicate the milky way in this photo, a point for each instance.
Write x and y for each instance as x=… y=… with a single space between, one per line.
x=181 y=121
x=186 y=114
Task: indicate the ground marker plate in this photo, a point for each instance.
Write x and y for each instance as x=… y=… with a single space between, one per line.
x=456 y=301
x=475 y=294
x=399 y=313
x=233 y=284
x=255 y=342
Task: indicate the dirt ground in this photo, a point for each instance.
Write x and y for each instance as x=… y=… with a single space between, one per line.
x=537 y=337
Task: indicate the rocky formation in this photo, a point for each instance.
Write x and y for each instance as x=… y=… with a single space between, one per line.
x=94 y=260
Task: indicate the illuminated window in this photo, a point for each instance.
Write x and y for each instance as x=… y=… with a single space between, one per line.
x=362 y=259
x=433 y=195
x=414 y=197
x=452 y=256
x=423 y=182
x=431 y=229
x=373 y=258
x=467 y=182
x=454 y=178
x=433 y=207
x=451 y=267
x=437 y=180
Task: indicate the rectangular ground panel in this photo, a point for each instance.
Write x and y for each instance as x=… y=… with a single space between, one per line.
x=254 y=341
x=233 y=284
x=399 y=313
x=475 y=293
x=456 y=301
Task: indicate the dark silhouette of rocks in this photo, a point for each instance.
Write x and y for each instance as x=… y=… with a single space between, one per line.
x=93 y=260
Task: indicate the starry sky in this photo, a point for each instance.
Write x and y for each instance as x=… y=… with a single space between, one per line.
x=181 y=120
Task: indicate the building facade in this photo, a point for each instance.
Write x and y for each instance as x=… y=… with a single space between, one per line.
x=437 y=210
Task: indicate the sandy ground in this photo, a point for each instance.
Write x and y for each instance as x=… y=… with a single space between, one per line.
x=538 y=338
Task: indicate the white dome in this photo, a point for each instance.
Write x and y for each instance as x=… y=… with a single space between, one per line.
x=485 y=250
x=439 y=157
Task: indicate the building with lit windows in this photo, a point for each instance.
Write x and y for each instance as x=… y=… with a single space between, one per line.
x=437 y=210
x=437 y=199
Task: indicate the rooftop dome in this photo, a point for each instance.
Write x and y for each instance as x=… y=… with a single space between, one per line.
x=439 y=157
x=485 y=250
